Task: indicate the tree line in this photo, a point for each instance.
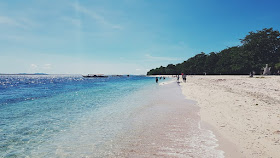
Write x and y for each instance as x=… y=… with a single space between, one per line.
x=256 y=50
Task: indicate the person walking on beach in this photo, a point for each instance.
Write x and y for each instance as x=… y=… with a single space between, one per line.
x=156 y=79
x=184 y=78
x=251 y=74
x=178 y=77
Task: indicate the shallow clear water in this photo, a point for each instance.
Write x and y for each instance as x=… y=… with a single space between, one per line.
x=71 y=116
x=35 y=109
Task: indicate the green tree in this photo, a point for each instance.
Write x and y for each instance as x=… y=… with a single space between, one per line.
x=263 y=47
x=171 y=69
x=210 y=62
x=257 y=49
x=277 y=66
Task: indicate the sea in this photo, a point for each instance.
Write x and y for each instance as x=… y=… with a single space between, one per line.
x=119 y=116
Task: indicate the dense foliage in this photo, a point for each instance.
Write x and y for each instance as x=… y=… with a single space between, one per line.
x=257 y=49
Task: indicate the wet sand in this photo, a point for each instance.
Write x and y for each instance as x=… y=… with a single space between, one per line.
x=240 y=109
x=169 y=126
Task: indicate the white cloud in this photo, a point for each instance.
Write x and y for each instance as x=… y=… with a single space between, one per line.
x=117 y=27
x=74 y=21
x=37 y=68
x=47 y=66
x=17 y=22
x=28 y=22
x=97 y=17
x=9 y=21
x=33 y=66
x=13 y=37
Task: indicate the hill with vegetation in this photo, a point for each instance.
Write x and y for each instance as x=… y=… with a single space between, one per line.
x=256 y=49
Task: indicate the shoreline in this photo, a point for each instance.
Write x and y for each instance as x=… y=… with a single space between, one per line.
x=242 y=111
x=168 y=126
x=230 y=149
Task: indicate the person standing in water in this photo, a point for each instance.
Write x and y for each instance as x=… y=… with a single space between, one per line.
x=156 y=79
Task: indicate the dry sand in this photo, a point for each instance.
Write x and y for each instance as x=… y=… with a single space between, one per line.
x=243 y=110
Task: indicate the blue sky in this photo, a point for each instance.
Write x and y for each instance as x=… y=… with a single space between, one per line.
x=122 y=36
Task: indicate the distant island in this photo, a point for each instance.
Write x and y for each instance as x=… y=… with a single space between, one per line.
x=258 y=49
x=25 y=74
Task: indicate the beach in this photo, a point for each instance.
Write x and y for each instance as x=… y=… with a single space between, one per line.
x=167 y=126
x=70 y=116
x=243 y=112
x=208 y=116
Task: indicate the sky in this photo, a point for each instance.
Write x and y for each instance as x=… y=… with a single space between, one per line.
x=122 y=36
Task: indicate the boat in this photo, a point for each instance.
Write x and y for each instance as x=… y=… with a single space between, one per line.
x=94 y=76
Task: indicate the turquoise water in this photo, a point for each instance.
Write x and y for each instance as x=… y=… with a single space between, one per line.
x=48 y=116
x=71 y=116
